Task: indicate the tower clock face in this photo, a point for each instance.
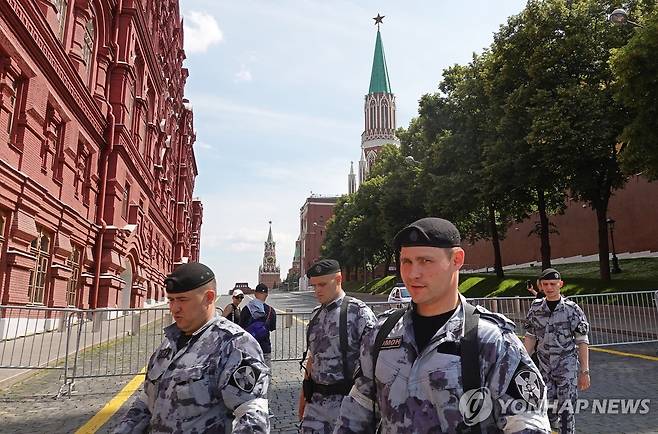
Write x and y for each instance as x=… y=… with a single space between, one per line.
x=270 y=260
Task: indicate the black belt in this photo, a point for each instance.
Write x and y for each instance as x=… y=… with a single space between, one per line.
x=340 y=388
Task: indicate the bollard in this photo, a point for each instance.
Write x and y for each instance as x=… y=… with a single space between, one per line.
x=136 y=323
x=99 y=316
x=288 y=321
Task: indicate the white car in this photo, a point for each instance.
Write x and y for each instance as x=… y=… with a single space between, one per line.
x=399 y=294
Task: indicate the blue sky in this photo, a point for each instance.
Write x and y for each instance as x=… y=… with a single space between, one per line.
x=277 y=89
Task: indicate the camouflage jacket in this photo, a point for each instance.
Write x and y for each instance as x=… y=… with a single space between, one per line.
x=421 y=392
x=557 y=332
x=324 y=346
x=215 y=383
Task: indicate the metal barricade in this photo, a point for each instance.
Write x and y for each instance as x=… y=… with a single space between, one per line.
x=116 y=342
x=289 y=338
x=615 y=319
x=80 y=343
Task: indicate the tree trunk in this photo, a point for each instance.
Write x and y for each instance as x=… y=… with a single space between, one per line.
x=544 y=232
x=604 y=250
x=495 y=241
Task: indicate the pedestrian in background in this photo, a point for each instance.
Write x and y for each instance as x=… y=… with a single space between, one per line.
x=232 y=310
x=259 y=319
x=537 y=293
x=558 y=328
x=207 y=375
x=333 y=339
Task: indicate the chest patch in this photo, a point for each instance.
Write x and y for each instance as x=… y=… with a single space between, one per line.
x=391 y=343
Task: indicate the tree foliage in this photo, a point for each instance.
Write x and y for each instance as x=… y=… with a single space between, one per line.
x=534 y=119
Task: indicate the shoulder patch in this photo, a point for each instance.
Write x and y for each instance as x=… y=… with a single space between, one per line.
x=528 y=385
x=245 y=377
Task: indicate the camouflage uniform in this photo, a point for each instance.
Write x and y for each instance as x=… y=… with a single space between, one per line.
x=420 y=393
x=324 y=346
x=558 y=334
x=215 y=383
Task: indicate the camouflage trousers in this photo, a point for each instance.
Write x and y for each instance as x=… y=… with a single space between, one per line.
x=321 y=415
x=562 y=393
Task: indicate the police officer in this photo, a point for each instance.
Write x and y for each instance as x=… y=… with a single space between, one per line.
x=208 y=375
x=557 y=328
x=333 y=337
x=442 y=365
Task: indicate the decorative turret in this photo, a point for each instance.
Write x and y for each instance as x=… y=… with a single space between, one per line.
x=269 y=272
x=379 y=110
x=351 y=179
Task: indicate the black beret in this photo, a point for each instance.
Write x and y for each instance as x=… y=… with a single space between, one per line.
x=187 y=277
x=323 y=267
x=261 y=287
x=550 y=274
x=430 y=232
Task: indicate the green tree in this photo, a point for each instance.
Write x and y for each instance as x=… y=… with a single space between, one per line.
x=635 y=66
x=514 y=161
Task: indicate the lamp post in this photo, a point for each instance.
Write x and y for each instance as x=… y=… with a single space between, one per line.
x=619 y=17
x=615 y=262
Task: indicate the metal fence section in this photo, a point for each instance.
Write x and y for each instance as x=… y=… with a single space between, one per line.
x=615 y=319
x=289 y=338
x=116 y=342
x=80 y=343
x=35 y=337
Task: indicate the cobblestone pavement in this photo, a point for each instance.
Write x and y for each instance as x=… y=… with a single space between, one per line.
x=620 y=377
x=31 y=406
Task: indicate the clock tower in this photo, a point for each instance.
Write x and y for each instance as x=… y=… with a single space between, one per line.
x=269 y=272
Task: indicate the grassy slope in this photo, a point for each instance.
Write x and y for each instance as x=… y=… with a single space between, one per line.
x=637 y=275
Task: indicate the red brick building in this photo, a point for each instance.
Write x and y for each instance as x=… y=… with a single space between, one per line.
x=97 y=167
x=313 y=217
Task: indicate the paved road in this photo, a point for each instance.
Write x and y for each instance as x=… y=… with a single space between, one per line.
x=31 y=406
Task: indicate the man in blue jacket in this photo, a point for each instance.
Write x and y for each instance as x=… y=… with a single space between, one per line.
x=259 y=319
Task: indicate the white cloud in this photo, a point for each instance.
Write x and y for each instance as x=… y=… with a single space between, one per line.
x=201 y=31
x=221 y=113
x=203 y=145
x=244 y=74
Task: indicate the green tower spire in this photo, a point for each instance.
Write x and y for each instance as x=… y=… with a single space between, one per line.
x=379 y=77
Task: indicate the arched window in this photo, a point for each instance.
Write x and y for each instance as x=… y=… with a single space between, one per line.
x=61 y=11
x=3 y=225
x=88 y=46
x=73 y=263
x=372 y=156
x=373 y=115
x=39 y=248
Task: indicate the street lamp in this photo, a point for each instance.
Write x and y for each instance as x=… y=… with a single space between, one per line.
x=619 y=17
x=615 y=262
